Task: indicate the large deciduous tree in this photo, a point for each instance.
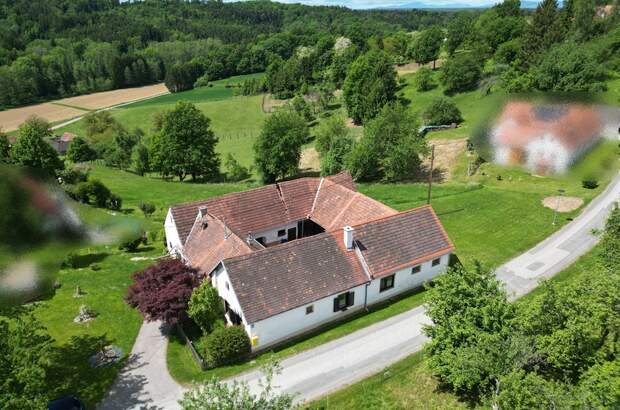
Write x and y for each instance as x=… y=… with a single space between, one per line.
x=461 y=72
x=427 y=45
x=471 y=322
x=80 y=151
x=370 y=84
x=25 y=358
x=5 y=149
x=162 y=291
x=185 y=145
x=391 y=147
x=33 y=151
x=569 y=67
x=333 y=142
x=278 y=147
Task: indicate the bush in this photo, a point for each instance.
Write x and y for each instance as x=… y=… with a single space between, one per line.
x=424 y=79
x=235 y=172
x=93 y=191
x=202 y=81
x=227 y=345
x=442 y=111
x=205 y=307
x=589 y=183
x=115 y=202
x=72 y=176
x=132 y=244
x=146 y=208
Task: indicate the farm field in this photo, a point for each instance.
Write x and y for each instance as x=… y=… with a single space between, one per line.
x=67 y=108
x=11 y=119
x=409 y=383
x=236 y=120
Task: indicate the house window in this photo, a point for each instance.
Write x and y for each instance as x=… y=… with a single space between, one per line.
x=309 y=309
x=282 y=232
x=436 y=262
x=416 y=269
x=386 y=283
x=261 y=240
x=343 y=301
x=227 y=286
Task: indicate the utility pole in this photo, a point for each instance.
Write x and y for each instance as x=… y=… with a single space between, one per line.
x=430 y=174
x=555 y=212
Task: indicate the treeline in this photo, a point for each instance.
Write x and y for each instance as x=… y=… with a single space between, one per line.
x=51 y=49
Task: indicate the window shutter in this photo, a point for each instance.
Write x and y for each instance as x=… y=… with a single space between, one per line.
x=336 y=307
x=350 y=298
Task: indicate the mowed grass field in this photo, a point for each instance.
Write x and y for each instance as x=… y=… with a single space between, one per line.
x=236 y=120
x=103 y=273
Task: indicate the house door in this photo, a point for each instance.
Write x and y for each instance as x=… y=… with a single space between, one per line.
x=292 y=234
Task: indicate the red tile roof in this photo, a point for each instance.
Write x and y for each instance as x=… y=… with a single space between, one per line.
x=294 y=274
x=261 y=208
x=337 y=206
x=210 y=242
x=274 y=280
x=395 y=242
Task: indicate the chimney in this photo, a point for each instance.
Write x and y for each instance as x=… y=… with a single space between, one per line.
x=348 y=237
x=203 y=211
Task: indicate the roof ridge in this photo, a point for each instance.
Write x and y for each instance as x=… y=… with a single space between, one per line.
x=284 y=246
x=398 y=213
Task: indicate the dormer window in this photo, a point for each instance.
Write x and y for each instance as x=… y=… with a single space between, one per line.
x=282 y=232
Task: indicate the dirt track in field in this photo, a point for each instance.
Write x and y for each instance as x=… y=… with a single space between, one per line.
x=109 y=98
x=11 y=119
x=413 y=67
x=72 y=107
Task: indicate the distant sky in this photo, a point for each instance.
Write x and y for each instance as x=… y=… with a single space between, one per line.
x=366 y=4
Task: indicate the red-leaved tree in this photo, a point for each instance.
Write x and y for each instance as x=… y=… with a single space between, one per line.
x=161 y=291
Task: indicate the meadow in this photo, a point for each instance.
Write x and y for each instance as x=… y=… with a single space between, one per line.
x=236 y=120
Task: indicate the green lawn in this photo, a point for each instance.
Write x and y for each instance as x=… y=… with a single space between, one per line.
x=103 y=273
x=475 y=107
x=409 y=383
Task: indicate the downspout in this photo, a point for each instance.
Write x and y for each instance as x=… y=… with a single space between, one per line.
x=362 y=261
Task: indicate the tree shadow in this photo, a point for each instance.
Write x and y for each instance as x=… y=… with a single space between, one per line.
x=72 y=374
x=83 y=261
x=422 y=175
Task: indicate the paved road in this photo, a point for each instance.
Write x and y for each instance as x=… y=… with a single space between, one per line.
x=336 y=364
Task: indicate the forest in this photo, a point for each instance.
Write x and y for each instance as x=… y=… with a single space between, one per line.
x=57 y=48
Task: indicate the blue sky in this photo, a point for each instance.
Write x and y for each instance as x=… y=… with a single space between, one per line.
x=364 y=4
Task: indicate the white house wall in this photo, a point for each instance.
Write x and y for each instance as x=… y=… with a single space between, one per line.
x=271 y=235
x=219 y=279
x=172 y=235
x=404 y=280
x=295 y=321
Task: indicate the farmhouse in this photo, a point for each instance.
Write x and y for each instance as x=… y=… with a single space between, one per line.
x=289 y=257
x=545 y=138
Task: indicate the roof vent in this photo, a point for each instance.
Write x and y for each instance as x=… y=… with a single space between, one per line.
x=348 y=237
